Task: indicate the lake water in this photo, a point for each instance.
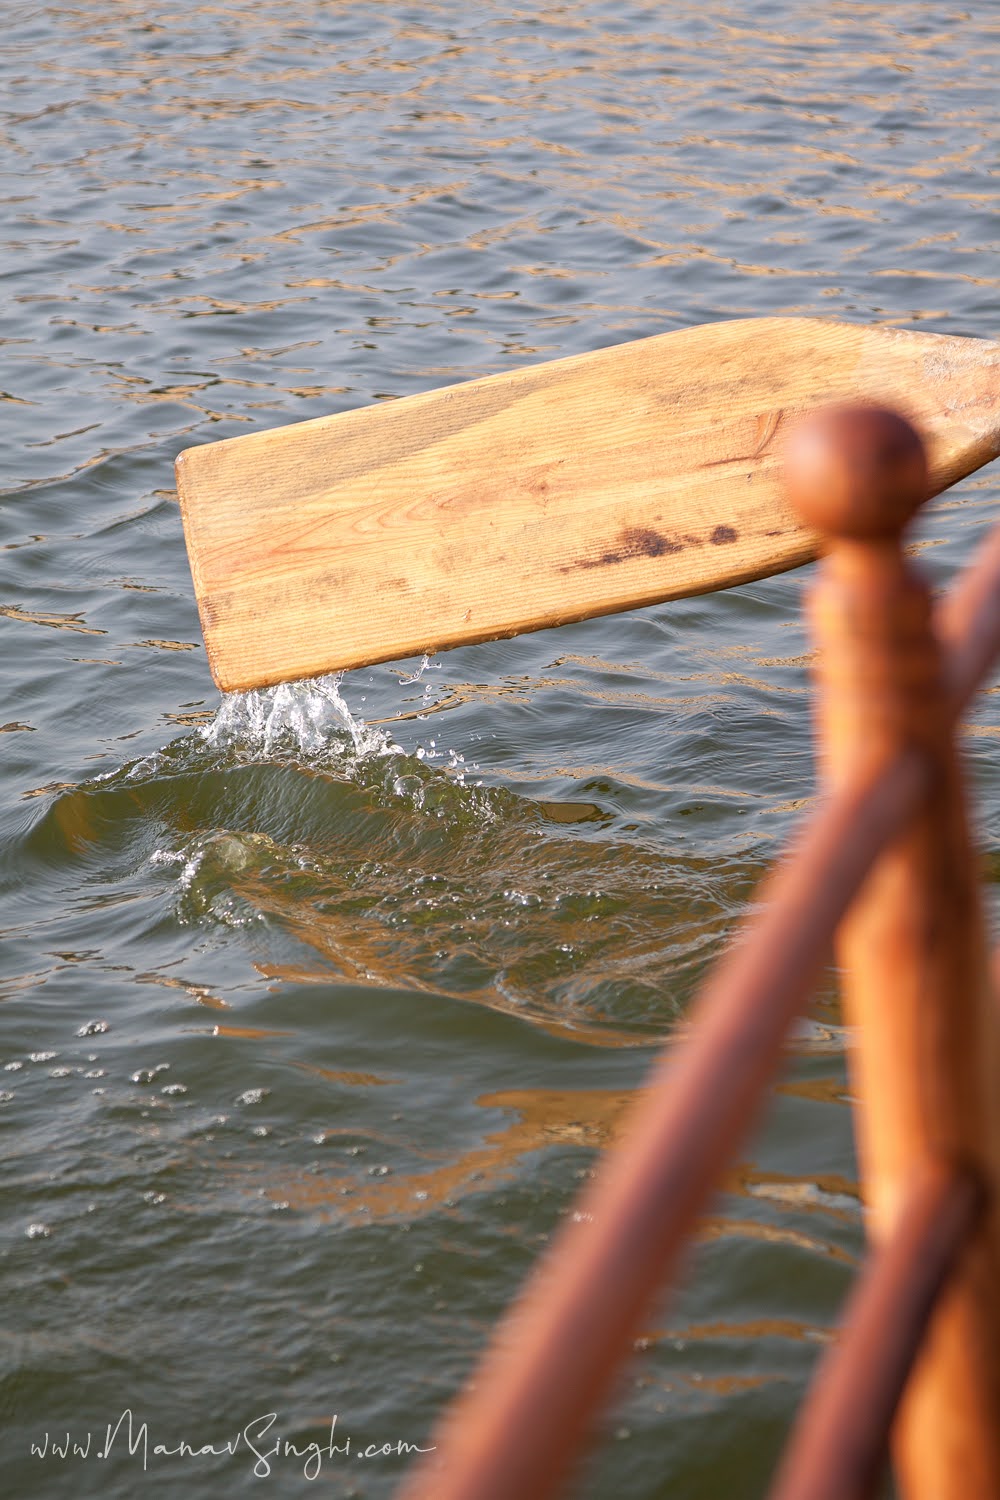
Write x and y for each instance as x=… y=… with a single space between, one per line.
x=318 y=1007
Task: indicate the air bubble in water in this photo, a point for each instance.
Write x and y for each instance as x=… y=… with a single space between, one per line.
x=148 y=1075
x=93 y=1028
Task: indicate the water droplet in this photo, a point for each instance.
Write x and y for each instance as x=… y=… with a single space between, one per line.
x=38 y=1232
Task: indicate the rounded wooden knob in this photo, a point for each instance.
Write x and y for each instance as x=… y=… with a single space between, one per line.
x=856 y=472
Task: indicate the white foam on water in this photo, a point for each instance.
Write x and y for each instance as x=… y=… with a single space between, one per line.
x=307 y=717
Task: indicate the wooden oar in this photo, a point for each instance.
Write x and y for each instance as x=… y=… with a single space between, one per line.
x=580 y=487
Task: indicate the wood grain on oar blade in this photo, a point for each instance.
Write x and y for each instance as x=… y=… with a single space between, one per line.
x=591 y=484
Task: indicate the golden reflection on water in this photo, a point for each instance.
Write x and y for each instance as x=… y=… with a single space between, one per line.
x=55 y=622
x=591 y=1119
x=829 y=1192
x=720 y=1385
x=200 y=993
x=352 y=947
x=349 y=953
x=579 y=1117
x=821 y=1090
x=751 y=1329
x=346 y=1076
x=251 y=1033
x=713 y=1228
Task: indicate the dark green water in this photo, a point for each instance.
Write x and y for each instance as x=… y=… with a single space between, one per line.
x=316 y=1010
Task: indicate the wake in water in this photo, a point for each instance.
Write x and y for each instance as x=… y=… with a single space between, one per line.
x=356 y=860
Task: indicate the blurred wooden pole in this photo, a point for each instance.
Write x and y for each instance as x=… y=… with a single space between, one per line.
x=916 y=984
x=838 y=1446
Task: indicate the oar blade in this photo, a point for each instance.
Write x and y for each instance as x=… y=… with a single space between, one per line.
x=588 y=485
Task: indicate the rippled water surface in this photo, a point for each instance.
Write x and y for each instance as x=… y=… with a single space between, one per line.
x=318 y=1004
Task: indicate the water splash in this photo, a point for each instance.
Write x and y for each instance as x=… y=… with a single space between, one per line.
x=426 y=665
x=306 y=718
